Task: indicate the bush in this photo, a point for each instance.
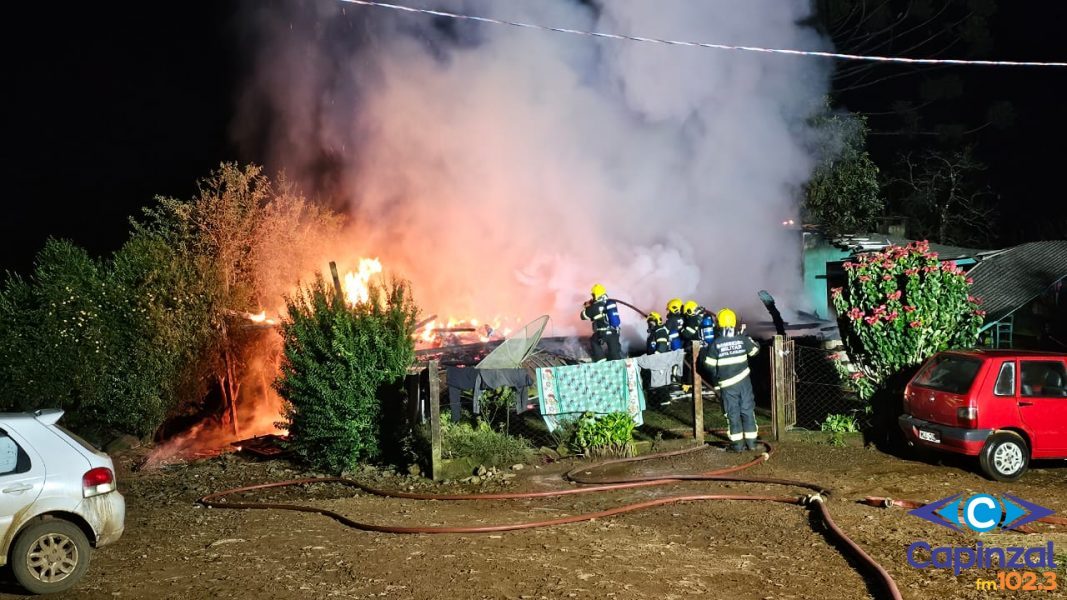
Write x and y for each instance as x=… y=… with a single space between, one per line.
x=482 y=443
x=337 y=361
x=837 y=426
x=900 y=307
x=104 y=340
x=606 y=435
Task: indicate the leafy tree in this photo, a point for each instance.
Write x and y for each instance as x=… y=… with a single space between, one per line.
x=53 y=327
x=159 y=303
x=338 y=359
x=104 y=340
x=901 y=306
x=843 y=195
x=123 y=342
x=247 y=241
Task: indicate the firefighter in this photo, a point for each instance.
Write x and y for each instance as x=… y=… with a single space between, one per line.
x=674 y=322
x=658 y=337
x=724 y=363
x=604 y=314
x=692 y=315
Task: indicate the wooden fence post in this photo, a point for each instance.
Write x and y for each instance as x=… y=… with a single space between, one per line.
x=778 y=384
x=337 y=289
x=435 y=420
x=698 y=396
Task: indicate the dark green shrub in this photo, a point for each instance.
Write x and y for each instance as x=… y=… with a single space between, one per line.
x=337 y=360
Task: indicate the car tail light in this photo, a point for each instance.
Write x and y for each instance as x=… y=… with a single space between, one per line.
x=97 y=481
x=967 y=416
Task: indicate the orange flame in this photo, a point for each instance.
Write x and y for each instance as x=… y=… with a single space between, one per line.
x=355 y=284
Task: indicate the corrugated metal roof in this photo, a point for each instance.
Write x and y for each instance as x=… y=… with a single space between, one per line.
x=1012 y=278
x=876 y=241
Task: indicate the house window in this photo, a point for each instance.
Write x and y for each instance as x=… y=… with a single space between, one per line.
x=1043 y=379
x=1006 y=380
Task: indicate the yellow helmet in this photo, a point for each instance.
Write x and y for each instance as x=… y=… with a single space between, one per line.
x=727 y=318
x=655 y=318
x=675 y=305
x=598 y=291
x=690 y=308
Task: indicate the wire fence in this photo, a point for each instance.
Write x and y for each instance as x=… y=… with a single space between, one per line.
x=820 y=392
x=502 y=419
x=516 y=413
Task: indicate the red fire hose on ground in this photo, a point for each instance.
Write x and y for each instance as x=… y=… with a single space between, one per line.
x=814 y=501
x=912 y=504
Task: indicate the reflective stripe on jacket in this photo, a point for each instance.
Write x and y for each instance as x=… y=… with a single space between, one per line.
x=725 y=359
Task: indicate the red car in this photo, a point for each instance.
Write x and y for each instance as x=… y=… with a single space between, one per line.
x=1003 y=406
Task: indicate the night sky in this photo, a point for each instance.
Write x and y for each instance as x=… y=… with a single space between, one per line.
x=110 y=104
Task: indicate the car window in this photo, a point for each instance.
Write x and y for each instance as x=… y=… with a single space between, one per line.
x=1043 y=379
x=1006 y=380
x=13 y=459
x=949 y=373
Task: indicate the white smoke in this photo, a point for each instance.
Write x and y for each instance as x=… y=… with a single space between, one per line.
x=504 y=171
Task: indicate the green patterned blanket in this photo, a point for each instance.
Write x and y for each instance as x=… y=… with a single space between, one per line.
x=601 y=387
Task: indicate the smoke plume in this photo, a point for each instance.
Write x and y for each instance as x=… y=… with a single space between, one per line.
x=504 y=170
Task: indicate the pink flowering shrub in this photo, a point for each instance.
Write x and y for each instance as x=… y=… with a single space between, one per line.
x=901 y=305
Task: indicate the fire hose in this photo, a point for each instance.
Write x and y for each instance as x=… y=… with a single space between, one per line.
x=628 y=305
x=912 y=504
x=815 y=501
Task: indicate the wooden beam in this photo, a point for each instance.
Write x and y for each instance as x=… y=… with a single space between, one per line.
x=435 y=420
x=336 y=282
x=698 y=396
x=778 y=388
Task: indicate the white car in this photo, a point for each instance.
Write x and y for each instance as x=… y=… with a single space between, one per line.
x=58 y=500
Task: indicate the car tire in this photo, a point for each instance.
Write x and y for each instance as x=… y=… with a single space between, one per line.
x=1005 y=456
x=50 y=556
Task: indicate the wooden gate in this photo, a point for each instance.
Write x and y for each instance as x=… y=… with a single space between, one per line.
x=783 y=386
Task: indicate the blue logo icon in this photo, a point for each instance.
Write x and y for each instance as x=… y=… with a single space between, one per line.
x=981 y=512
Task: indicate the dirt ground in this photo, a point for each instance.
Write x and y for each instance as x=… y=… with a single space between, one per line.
x=174 y=548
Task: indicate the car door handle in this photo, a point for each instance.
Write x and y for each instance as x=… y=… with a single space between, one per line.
x=17 y=489
x=1026 y=404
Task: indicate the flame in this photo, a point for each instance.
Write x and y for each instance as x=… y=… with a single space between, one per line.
x=427 y=333
x=455 y=331
x=355 y=284
x=258 y=318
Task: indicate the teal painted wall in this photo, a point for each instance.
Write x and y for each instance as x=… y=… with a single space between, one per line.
x=817 y=252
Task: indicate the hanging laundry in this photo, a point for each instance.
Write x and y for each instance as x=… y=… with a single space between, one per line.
x=601 y=387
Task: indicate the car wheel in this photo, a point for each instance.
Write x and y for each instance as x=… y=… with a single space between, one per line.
x=50 y=556
x=1005 y=456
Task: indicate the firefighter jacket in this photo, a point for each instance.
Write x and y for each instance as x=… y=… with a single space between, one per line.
x=674 y=323
x=602 y=313
x=691 y=328
x=725 y=360
x=659 y=339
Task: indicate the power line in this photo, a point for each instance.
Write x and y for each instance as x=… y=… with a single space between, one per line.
x=634 y=38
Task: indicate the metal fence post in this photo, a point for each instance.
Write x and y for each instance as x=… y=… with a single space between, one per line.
x=698 y=396
x=435 y=420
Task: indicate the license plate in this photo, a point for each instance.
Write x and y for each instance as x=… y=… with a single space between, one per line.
x=930 y=436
